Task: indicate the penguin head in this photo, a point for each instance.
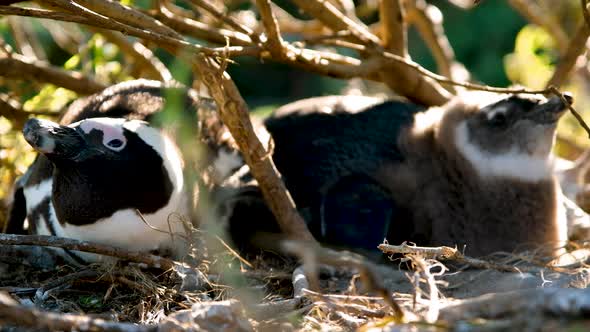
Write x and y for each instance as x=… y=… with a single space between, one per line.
x=510 y=137
x=102 y=165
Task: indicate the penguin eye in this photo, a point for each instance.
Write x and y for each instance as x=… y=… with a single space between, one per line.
x=115 y=144
x=499 y=120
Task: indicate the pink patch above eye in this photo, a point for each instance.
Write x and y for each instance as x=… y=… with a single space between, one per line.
x=111 y=129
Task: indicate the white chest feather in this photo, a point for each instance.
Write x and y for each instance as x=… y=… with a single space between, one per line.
x=512 y=164
x=124 y=229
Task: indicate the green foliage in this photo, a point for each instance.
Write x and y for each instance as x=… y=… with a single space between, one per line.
x=50 y=99
x=533 y=60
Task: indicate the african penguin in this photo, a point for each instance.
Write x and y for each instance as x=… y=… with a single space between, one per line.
x=474 y=173
x=107 y=173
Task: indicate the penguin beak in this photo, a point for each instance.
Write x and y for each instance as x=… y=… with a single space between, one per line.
x=52 y=139
x=550 y=111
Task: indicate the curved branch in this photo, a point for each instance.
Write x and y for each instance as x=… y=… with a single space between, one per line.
x=429 y=21
x=92 y=19
x=95 y=248
x=18 y=67
x=234 y=114
x=275 y=41
x=335 y=20
x=576 y=47
x=230 y=21
x=200 y=30
x=11 y=110
x=393 y=27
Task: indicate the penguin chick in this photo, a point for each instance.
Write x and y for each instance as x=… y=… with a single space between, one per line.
x=106 y=173
x=474 y=173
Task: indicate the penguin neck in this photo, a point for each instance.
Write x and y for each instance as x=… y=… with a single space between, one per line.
x=495 y=209
x=453 y=204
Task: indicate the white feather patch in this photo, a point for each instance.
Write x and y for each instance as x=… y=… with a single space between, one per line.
x=513 y=164
x=35 y=194
x=112 y=129
x=226 y=162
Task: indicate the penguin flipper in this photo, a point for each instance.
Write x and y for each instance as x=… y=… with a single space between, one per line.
x=17 y=212
x=356 y=212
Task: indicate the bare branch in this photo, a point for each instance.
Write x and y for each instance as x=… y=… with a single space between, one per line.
x=567 y=62
x=335 y=20
x=393 y=27
x=275 y=41
x=92 y=19
x=11 y=109
x=198 y=29
x=445 y=253
x=585 y=12
x=18 y=67
x=230 y=21
x=95 y=248
x=234 y=114
x=25 y=38
x=126 y=15
x=429 y=21
x=142 y=55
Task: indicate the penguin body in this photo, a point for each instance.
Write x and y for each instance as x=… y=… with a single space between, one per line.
x=105 y=173
x=476 y=172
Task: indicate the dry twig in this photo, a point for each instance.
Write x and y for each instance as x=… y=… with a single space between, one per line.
x=85 y=246
x=445 y=254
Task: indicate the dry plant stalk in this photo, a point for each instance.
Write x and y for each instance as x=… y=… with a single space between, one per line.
x=86 y=246
x=445 y=254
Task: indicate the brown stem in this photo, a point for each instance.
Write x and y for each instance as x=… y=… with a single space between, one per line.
x=275 y=41
x=234 y=114
x=567 y=62
x=393 y=27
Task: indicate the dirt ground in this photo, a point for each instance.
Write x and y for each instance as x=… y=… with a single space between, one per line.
x=268 y=292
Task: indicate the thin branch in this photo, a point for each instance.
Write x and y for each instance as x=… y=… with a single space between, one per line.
x=92 y=19
x=429 y=21
x=19 y=67
x=445 y=254
x=230 y=21
x=85 y=246
x=567 y=62
x=140 y=54
x=335 y=20
x=27 y=41
x=12 y=110
x=275 y=41
x=198 y=29
x=393 y=27
x=127 y=15
x=234 y=114
x=585 y=12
